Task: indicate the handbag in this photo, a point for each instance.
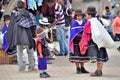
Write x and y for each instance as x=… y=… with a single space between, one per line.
x=42 y=63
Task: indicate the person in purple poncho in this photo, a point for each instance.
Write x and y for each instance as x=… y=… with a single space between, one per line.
x=76 y=31
x=4 y=30
x=5 y=45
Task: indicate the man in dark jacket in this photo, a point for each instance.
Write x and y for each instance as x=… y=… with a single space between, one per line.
x=20 y=33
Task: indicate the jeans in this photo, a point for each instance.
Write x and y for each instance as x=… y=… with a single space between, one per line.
x=67 y=34
x=21 y=63
x=61 y=39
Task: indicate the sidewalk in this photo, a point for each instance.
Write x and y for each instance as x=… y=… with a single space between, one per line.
x=62 y=69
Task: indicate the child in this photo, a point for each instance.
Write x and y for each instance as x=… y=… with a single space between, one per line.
x=42 y=50
x=75 y=37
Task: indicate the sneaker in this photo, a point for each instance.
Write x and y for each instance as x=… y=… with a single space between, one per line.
x=51 y=57
x=49 y=62
x=59 y=55
x=42 y=75
x=65 y=54
x=46 y=74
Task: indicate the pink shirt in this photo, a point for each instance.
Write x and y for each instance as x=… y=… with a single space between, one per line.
x=116 y=25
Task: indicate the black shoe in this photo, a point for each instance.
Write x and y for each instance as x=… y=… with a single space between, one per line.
x=14 y=62
x=78 y=70
x=59 y=55
x=65 y=54
x=83 y=70
x=96 y=73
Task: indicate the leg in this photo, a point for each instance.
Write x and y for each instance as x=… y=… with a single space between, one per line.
x=98 y=72
x=83 y=68
x=78 y=71
x=31 y=59
x=21 y=64
x=61 y=39
x=14 y=61
x=99 y=66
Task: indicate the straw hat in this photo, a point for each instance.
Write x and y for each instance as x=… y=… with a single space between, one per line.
x=44 y=21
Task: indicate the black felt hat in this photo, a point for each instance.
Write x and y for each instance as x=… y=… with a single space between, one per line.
x=91 y=10
x=6 y=17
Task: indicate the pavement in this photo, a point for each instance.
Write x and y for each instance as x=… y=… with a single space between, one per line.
x=62 y=69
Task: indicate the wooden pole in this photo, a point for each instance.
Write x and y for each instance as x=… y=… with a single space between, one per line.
x=12 y=4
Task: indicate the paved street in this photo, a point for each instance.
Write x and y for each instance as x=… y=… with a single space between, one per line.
x=62 y=69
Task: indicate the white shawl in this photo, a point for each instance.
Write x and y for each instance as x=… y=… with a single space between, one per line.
x=99 y=34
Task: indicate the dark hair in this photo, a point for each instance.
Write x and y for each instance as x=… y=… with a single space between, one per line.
x=106 y=7
x=93 y=15
x=6 y=17
x=20 y=4
x=77 y=15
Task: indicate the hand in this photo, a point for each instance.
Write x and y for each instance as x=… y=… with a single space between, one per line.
x=49 y=26
x=41 y=56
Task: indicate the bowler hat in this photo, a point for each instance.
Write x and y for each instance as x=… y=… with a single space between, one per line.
x=91 y=10
x=78 y=12
x=6 y=17
x=20 y=4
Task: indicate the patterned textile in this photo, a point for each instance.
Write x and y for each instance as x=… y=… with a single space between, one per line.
x=25 y=20
x=59 y=13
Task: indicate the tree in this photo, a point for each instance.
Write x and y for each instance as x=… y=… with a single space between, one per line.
x=12 y=4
